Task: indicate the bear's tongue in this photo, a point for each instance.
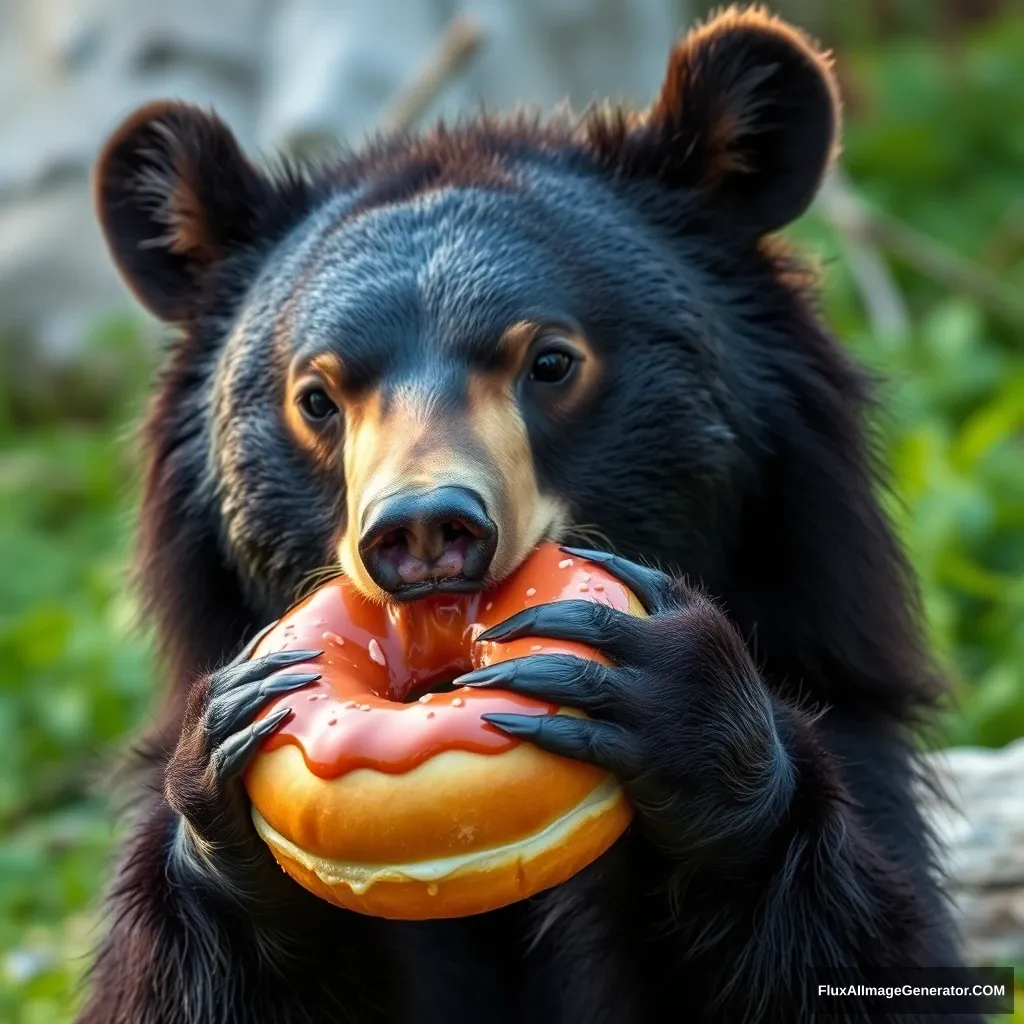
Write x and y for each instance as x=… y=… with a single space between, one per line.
x=416 y=562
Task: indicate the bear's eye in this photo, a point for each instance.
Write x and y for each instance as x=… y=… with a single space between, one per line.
x=316 y=406
x=552 y=366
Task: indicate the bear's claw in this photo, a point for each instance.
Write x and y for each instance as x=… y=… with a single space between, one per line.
x=602 y=744
x=231 y=757
x=655 y=590
x=562 y=679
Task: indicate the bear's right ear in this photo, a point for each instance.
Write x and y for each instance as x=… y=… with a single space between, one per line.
x=748 y=119
x=174 y=194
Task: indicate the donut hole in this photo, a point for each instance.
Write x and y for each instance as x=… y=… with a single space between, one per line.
x=442 y=684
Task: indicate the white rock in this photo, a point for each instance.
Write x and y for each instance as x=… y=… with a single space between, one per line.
x=54 y=283
x=982 y=827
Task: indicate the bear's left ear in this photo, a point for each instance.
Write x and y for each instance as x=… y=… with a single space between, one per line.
x=748 y=115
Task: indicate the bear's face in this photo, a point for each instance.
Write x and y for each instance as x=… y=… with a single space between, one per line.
x=469 y=338
x=545 y=323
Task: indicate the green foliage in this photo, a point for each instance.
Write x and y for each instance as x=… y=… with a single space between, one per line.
x=938 y=142
x=935 y=138
x=75 y=678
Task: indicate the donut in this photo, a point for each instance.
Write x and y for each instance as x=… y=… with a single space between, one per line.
x=385 y=792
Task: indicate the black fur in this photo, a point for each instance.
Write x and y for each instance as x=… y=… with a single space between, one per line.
x=761 y=719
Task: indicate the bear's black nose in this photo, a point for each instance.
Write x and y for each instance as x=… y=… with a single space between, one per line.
x=414 y=543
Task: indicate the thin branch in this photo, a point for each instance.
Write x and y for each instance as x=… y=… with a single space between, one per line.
x=458 y=44
x=855 y=219
x=883 y=301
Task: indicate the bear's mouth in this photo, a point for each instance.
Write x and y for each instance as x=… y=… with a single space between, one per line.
x=436 y=542
x=408 y=592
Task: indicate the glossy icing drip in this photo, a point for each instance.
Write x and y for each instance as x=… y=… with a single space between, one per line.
x=373 y=707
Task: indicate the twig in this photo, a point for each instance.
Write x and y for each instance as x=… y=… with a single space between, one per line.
x=852 y=216
x=460 y=41
x=883 y=301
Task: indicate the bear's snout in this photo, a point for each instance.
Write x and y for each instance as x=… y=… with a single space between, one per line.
x=414 y=542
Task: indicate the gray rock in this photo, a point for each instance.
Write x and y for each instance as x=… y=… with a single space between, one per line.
x=982 y=827
x=286 y=74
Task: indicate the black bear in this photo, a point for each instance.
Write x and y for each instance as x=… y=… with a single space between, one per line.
x=584 y=327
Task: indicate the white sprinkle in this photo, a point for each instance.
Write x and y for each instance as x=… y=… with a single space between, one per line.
x=333 y=638
x=531 y=591
x=432 y=888
x=376 y=654
x=585 y=577
x=488 y=606
x=583 y=588
x=364 y=707
x=426 y=698
x=458 y=702
x=565 y=563
x=537 y=647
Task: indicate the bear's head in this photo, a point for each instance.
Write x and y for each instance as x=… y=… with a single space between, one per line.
x=418 y=361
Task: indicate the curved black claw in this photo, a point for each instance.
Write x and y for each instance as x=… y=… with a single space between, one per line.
x=599 y=743
x=559 y=678
x=596 y=625
x=231 y=757
x=234 y=709
x=236 y=695
x=655 y=590
x=240 y=672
